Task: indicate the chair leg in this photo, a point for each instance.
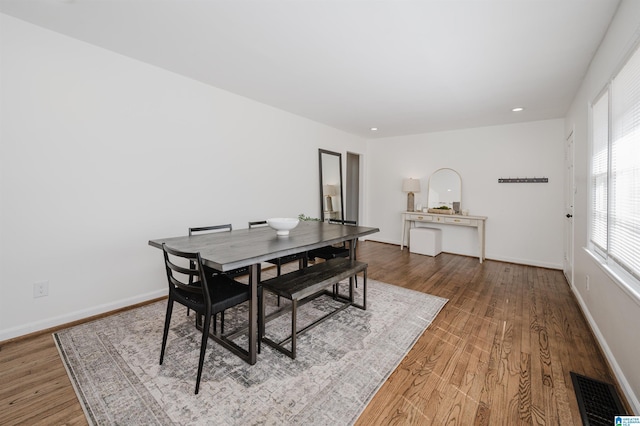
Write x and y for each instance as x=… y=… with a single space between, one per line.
x=203 y=348
x=222 y=323
x=279 y=268
x=167 y=320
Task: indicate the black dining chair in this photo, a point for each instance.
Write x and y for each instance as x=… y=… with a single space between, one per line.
x=207 y=295
x=232 y=273
x=335 y=251
x=210 y=271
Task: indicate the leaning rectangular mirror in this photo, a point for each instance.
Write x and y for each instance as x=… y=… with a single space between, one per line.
x=445 y=189
x=330 y=185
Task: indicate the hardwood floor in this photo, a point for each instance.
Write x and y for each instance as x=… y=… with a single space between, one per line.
x=499 y=353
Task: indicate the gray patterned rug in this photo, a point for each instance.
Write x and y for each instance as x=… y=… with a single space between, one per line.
x=113 y=364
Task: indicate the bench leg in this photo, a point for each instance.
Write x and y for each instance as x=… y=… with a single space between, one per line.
x=351 y=281
x=294 y=329
x=363 y=306
x=294 y=323
x=364 y=289
x=354 y=278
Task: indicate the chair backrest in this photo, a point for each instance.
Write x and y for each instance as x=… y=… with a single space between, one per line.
x=214 y=229
x=210 y=229
x=258 y=224
x=199 y=230
x=344 y=222
x=184 y=277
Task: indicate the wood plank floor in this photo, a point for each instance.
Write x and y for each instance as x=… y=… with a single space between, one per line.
x=499 y=353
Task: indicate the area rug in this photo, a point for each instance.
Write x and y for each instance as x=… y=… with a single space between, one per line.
x=341 y=363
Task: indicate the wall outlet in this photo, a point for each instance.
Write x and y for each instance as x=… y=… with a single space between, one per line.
x=41 y=289
x=586 y=282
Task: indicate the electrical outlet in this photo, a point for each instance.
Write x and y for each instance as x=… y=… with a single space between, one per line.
x=586 y=284
x=41 y=289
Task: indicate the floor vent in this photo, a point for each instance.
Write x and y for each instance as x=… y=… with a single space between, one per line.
x=598 y=401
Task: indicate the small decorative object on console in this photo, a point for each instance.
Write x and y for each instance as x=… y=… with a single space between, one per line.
x=442 y=210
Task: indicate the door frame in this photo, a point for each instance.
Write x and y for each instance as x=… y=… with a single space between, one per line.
x=569 y=203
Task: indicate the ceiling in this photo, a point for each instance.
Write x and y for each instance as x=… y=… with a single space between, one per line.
x=403 y=66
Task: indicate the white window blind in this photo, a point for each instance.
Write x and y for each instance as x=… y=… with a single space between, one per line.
x=624 y=207
x=615 y=170
x=599 y=168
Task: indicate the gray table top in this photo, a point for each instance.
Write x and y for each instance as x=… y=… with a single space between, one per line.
x=225 y=251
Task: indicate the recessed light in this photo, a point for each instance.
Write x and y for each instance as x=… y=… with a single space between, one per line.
x=374 y=129
x=517 y=109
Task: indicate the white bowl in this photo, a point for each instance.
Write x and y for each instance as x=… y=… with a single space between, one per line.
x=283 y=224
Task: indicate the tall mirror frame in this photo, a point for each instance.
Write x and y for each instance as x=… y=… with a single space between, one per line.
x=331 y=198
x=445 y=189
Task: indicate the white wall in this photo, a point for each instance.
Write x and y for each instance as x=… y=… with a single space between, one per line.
x=97 y=152
x=100 y=153
x=613 y=314
x=525 y=220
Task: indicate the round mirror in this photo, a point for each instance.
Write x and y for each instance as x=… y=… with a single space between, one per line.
x=445 y=189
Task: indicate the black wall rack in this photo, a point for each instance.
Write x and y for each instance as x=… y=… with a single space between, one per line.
x=523 y=180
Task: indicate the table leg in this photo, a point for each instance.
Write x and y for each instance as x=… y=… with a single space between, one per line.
x=253 y=312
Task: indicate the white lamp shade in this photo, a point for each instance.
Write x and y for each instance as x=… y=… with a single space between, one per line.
x=329 y=190
x=411 y=185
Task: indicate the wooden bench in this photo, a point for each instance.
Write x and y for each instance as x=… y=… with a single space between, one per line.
x=304 y=285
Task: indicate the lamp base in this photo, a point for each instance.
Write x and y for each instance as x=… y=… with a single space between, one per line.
x=410 y=202
x=329 y=204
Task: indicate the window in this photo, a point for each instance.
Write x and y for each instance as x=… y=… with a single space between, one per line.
x=615 y=171
x=599 y=167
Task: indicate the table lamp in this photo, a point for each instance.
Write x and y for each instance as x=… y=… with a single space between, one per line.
x=329 y=191
x=410 y=186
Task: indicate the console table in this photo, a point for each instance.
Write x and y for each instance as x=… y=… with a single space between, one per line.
x=477 y=222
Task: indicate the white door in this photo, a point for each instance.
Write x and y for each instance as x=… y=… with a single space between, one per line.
x=569 y=194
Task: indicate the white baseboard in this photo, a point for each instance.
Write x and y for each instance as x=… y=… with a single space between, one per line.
x=632 y=398
x=382 y=240
x=35 y=326
x=529 y=262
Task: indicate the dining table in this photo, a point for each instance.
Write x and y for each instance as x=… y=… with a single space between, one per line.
x=226 y=251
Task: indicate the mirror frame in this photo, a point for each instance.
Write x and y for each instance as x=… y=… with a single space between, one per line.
x=325 y=152
x=457 y=211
